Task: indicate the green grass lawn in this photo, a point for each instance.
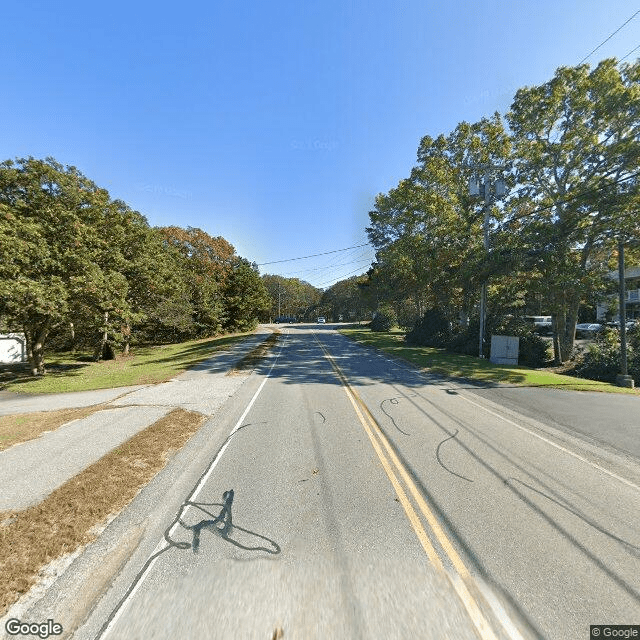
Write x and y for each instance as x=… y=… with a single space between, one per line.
x=459 y=366
x=145 y=365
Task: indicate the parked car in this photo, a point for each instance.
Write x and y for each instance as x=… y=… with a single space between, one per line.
x=321 y=320
x=285 y=320
x=541 y=324
x=630 y=324
x=588 y=329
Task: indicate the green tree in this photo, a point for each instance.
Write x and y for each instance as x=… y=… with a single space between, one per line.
x=208 y=261
x=577 y=142
x=50 y=246
x=246 y=296
x=428 y=231
x=290 y=296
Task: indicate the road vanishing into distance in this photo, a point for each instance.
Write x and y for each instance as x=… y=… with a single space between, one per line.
x=342 y=494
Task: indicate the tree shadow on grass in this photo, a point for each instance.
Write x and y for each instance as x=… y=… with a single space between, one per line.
x=11 y=374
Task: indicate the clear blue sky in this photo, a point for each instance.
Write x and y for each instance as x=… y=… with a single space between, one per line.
x=274 y=124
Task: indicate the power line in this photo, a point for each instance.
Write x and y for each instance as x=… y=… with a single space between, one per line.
x=315 y=255
x=630 y=52
x=611 y=36
x=340 y=278
x=327 y=267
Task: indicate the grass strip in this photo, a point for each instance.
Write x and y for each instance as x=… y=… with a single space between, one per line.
x=453 y=365
x=251 y=359
x=146 y=365
x=27 y=426
x=33 y=537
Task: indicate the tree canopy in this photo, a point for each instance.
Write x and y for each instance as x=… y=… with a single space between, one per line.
x=82 y=268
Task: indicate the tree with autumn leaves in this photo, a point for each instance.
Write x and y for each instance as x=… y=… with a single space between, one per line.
x=77 y=263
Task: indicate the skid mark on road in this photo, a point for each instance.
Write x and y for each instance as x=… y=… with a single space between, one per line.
x=461 y=578
x=443 y=465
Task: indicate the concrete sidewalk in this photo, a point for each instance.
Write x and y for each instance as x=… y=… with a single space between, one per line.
x=31 y=470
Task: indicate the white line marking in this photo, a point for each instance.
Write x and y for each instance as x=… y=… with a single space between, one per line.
x=192 y=496
x=553 y=444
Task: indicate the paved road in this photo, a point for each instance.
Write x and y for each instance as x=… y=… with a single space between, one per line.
x=398 y=506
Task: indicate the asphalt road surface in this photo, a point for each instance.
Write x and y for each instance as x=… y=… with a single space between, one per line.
x=347 y=496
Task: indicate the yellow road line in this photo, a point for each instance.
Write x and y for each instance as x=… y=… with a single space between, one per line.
x=372 y=429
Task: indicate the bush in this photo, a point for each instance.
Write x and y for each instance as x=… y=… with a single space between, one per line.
x=384 y=320
x=432 y=330
x=601 y=361
x=533 y=350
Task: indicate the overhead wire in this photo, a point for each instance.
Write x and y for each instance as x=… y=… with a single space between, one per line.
x=611 y=36
x=326 y=267
x=315 y=255
x=630 y=52
x=333 y=281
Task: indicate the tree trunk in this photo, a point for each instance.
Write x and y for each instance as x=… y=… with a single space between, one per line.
x=72 y=331
x=103 y=341
x=564 y=329
x=126 y=332
x=35 y=336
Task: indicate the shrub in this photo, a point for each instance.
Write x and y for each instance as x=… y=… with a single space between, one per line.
x=432 y=330
x=601 y=360
x=533 y=350
x=385 y=320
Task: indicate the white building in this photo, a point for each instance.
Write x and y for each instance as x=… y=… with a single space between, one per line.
x=632 y=302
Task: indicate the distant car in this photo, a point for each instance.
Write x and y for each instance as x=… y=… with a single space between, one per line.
x=321 y=320
x=588 y=329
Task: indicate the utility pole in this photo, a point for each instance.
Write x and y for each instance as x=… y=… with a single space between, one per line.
x=278 y=298
x=623 y=379
x=485 y=188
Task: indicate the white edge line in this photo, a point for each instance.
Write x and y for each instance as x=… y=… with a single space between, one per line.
x=553 y=444
x=194 y=494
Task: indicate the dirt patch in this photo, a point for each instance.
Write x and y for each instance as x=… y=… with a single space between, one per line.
x=254 y=356
x=62 y=522
x=27 y=426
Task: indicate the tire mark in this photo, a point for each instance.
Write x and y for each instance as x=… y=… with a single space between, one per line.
x=395 y=424
x=443 y=465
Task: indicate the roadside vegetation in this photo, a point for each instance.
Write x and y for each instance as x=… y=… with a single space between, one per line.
x=454 y=365
x=144 y=365
x=15 y=429
x=64 y=520
x=534 y=203
x=80 y=270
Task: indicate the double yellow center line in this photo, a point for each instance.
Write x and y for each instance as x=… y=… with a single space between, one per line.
x=401 y=480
